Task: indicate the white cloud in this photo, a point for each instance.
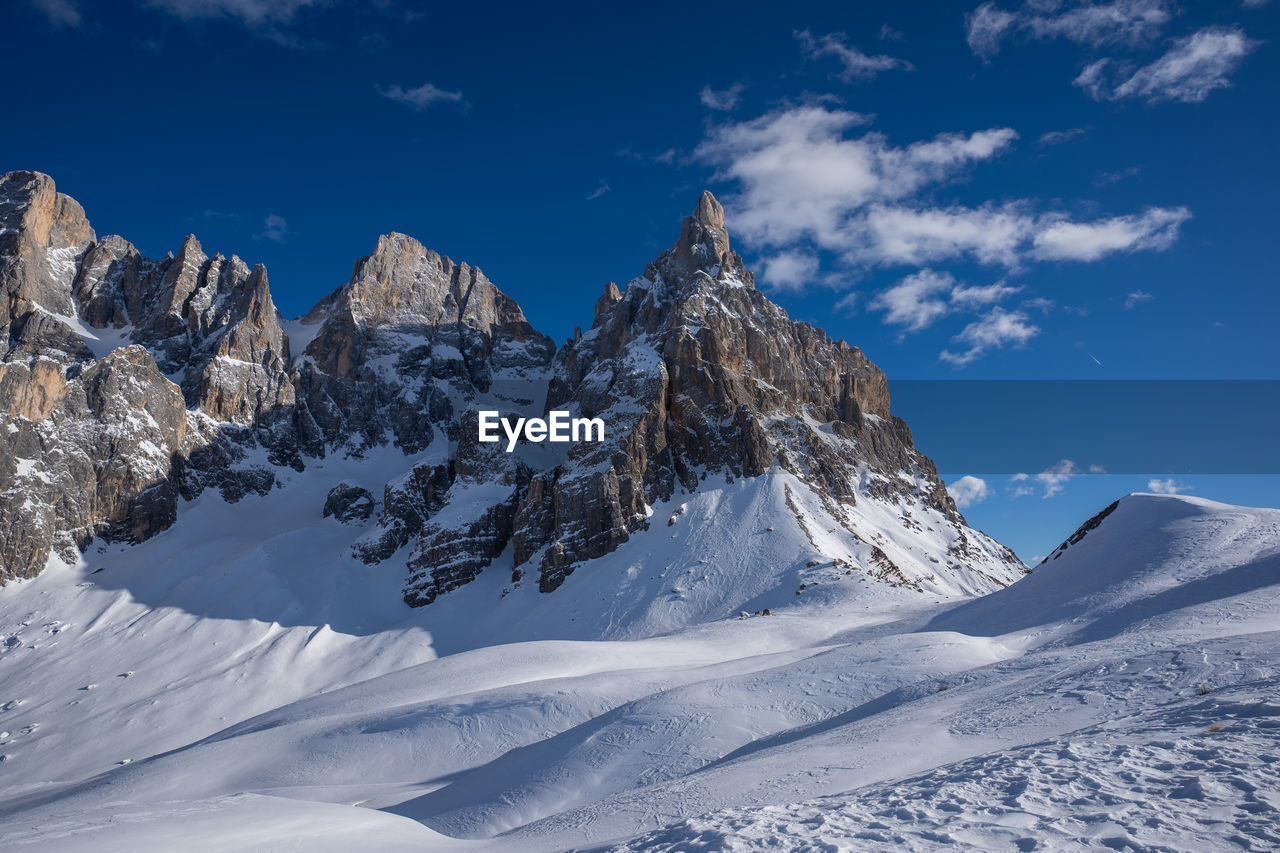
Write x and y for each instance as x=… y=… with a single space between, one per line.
x=985 y=27
x=920 y=299
x=801 y=177
x=1191 y=69
x=1128 y=22
x=804 y=180
x=791 y=270
x=1054 y=479
x=60 y=13
x=900 y=234
x=996 y=329
x=888 y=33
x=916 y=301
x=977 y=297
x=274 y=228
x=1057 y=137
x=848 y=303
x=969 y=490
x=1114 y=177
x=1137 y=298
x=857 y=65
x=1092 y=78
x=1167 y=487
x=421 y=97
x=1157 y=228
x=725 y=99
x=1021 y=490
x=598 y=191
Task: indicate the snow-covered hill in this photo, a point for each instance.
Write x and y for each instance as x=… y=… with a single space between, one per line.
x=242 y=682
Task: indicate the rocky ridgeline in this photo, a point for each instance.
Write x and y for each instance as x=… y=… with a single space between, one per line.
x=129 y=384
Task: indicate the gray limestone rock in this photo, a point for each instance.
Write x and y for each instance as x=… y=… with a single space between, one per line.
x=349 y=503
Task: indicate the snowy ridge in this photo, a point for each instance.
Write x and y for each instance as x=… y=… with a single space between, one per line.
x=1154 y=681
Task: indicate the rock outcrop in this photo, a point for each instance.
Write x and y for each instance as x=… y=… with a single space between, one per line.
x=125 y=383
x=410 y=335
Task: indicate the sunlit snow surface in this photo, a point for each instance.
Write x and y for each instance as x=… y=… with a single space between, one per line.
x=242 y=683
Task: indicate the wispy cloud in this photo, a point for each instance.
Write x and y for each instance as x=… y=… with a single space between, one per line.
x=723 y=99
x=249 y=12
x=59 y=13
x=856 y=66
x=808 y=177
x=916 y=301
x=1167 y=487
x=969 y=490
x=888 y=33
x=421 y=97
x=1054 y=479
x=995 y=330
x=1127 y=22
x=666 y=157
x=1019 y=487
x=1133 y=300
x=1057 y=137
x=920 y=299
x=792 y=270
x=1188 y=72
x=801 y=178
x=1155 y=228
x=270 y=19
x=274 y=228
x=598 y=191
x=1104 y=179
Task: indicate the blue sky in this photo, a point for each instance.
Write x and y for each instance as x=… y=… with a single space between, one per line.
x=1004 y=190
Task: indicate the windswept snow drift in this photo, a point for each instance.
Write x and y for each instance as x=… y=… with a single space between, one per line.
x=198 y=692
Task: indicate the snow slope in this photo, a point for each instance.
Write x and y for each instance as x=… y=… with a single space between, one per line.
x=275 y=687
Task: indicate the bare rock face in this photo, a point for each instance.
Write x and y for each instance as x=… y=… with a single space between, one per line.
x=99 y=463
x=349 y=503
x=725 y=384
x=407 y=503
x=476 y=522
x=125 y=383
x=409 y=334
x=43 y=235
x=211 y=323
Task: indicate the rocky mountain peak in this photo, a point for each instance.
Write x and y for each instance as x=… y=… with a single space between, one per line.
x=703 y=247
x=43 y=234
x=131 y=383
x=710 y=213
x=698 y=375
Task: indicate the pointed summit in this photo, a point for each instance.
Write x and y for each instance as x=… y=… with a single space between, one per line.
x=703 y=247
x=710 y=212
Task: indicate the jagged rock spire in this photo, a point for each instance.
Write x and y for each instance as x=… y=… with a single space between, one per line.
x=703 y=247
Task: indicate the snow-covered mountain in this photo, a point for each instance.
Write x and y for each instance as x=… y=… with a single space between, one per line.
x=268 y=591
x=1122 y=694
x=131 y=386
